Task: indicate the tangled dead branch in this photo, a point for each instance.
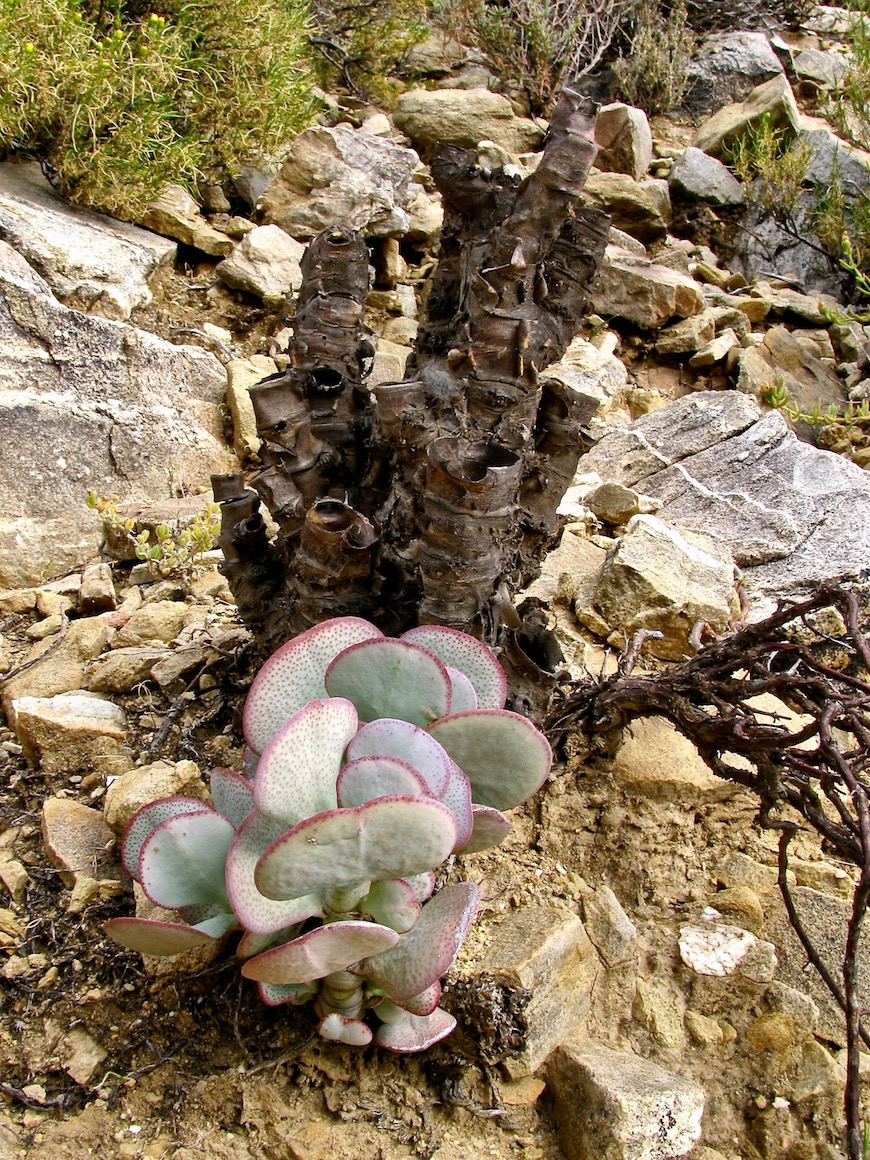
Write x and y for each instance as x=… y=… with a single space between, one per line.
x=807 y=763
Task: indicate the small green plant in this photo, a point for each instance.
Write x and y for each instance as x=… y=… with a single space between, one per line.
x=537 y=45
x=653 y=73
x=776 y=165
x=172 y=550
x=363 y=42
x=117 y=107
x=844 y=430
x=372 y=761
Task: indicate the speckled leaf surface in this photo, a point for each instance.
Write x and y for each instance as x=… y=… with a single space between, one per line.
x=232 y=794
x=470 y=656
x=392 y=903
x=489 y=828
x=146 y=820
x=293 y=675
x=183 y=860
x=258 y=914
x=367 y=778
x=457 y=798
x=277 y=994
x=388 y=838
x=341 y=1029
x=391 y=678
x=150 y=937
x=391 y=737
x=318 y=953
x=415 y=1032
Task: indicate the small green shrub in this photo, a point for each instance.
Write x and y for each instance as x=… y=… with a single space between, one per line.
x=765 y=156
x=653 y=73
x=171 y=551
x=117 y=107
x=537 y=45
x=844 y=430
x=363 y=42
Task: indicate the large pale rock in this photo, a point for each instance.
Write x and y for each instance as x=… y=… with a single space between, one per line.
x=546 y=952
x=614 y=1105
x=705 y=178
x=611 y=930
x=656 y=763
x=632 y=206
x=643 y=292
x=265 y=263
x=774 y=98
x=90 y=261
x=89 y=403
x=71 y=732
x=242 y=374
x=624 y=140
x=726 y=67
x=593 y=374
x=176 y=215
x=77 y=840
x=61 y=669
x=122 y=669
x=341 y=176
x=658 y=578
x=791 y=514
x=820 y=69
x=464 y=117
x=781 y=359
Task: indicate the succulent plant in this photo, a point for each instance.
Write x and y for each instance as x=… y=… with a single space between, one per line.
x=370 y=760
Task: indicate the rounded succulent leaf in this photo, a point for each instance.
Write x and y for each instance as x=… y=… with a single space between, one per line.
x=423 y=885
x=341 y=1029
x=146 y=820
x=183 y=860
x=422 y=956
x=293 y=675
x=502 y=754
x=232 y=795
x=462 y=694
x=388 y=838
x=258 y=914
x=367 y=778
x=391 y=737
x=391 y=678
x=415 y=1032
x=319 y=952
x=151 y=937
x=489 y=828
x=457 y=798
x=422 y=1004
x=276 y=994
x=298 y=769
x=471 y=656
x=392 y=903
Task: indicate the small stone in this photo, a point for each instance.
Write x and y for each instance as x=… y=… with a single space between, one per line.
x=615 y=504
x=716 y=350
x=521 y=1093
x=77 y=839
x=158 y=621
x=656 y=763
x=774 y=1032
x=614 y=1105
x=739 y=869
x=713 y=948
x=823 y=876
x=702 y=1029
x=70 y=732
x=548 y=952
x=660 y=1011
x=741 y=904
x=176 y=215
x=609 y=927
x=140 y=786
x=97 y=593
x=819 y=1074
x=265 y=263
x=801 y=1007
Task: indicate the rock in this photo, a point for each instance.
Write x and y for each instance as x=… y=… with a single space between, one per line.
x=137 y=788
x=774 y=97
x=615 y=504
x=97 y=593
x=819 y=1074
x=62 y=669
x=703 y=1029
x=87 y=403
x=740 y=870
x=547 y=952
x=716 y=351
x=435 y=55
x=782 y=359
x=265 y=263
x=612 y=932
x=90 y=261
x=122 y=669
x=341 y=175
x=464 y=117
x=656 y=763
x=592 y=373
x=825 y=920
x=398 y=332
x=819 y=68
x=160 y=622
x=823 y=876
x=632 y=207
x=242 y=374
x=800 y=1006
x=726 y=67
x=791 y=514
x=715 y=948
x=698 y=175
x=250 y=182
x=79 y=1054
x=176 y=215
x=643 y=292
x=658 y=578
x=389 y=364
x=660 y=1011
x=688 y=335
x=741 y=904
x=614 y=1105
x=624 y=140
x=77 y=840
x=425 y=213
x=71 y=732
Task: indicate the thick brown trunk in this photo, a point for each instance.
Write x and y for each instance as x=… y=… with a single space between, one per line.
x=433 y=499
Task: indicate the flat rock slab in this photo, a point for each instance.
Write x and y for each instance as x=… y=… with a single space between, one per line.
x=90 y=403
x=90 y=261
x=791 y=514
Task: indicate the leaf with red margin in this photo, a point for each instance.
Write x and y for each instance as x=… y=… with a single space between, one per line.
x=391 y=678
x=415 y=1032
x=232 y=794
x=318 y=953
x=257 y=913
x=293 y=675
x=341 y=1029
x=390 y=737
x=183 y=860
x=467 y=654
x=146 y=820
